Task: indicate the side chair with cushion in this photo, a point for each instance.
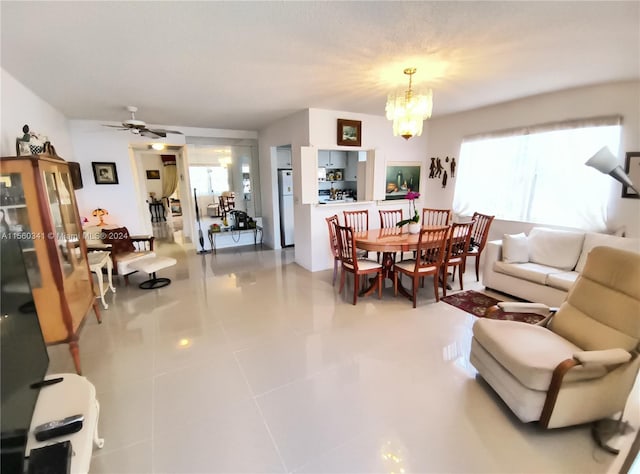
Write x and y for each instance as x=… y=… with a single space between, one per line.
x=351 y=263
x=581 y=364
x=359 y=220
x=124 y=248
x=479 y=236
x=388 y=220
x=437 y=217
x=332 y=222
x=456 y=252
x=429 y=261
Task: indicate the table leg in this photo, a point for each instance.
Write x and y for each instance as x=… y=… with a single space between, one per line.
x=110 y=274
x=101 y=288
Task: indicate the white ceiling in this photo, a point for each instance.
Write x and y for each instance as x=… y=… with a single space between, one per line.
x=242 y=65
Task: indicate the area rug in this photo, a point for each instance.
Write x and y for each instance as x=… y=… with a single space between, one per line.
x=477 y=304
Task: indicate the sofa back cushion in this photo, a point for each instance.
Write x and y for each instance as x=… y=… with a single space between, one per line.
x=515 y=248
x=602 y=310
x=593 y=239
x=555 y=248
x=119 y=240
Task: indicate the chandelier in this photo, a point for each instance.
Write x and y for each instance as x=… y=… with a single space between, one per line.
x=409 y=109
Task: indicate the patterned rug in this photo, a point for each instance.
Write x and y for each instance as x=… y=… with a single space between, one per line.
x=477 y=304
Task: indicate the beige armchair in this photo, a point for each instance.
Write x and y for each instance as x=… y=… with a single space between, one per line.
x=581 y=364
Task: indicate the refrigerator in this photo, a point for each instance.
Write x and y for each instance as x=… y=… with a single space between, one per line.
x=285 y=194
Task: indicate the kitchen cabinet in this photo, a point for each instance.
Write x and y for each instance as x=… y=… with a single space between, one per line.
x=351 y=169
x=333 y=159
x=38 y=208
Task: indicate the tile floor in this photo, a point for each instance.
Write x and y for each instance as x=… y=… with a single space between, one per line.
x=248 y=363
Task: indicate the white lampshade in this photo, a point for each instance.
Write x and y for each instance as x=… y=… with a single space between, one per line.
x=607 y=163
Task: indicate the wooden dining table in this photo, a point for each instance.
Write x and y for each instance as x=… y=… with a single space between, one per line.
x=388 y=241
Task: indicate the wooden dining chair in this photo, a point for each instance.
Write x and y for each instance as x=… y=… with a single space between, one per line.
x=332 y=222
x=479 y=236
x=358 y=220
x=456 y=253
x=436 y=216
x=352 y=264
x=389 y=218
x=429 y=260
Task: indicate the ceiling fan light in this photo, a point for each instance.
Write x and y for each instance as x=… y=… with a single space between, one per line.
x=158 y=146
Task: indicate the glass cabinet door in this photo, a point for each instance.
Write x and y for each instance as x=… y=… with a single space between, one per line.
x=14 y=224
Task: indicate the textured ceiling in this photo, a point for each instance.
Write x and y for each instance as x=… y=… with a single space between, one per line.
x=242 y=65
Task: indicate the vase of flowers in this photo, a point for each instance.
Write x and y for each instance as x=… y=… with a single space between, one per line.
x=414 y=221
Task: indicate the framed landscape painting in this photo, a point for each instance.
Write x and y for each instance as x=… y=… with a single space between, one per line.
x=349 y=132
x=400 y=178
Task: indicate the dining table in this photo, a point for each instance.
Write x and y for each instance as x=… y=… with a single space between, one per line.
x=388 y=242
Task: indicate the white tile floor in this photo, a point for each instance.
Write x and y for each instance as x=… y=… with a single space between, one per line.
x=248 y=363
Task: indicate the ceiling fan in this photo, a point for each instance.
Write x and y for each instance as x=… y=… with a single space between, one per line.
x=138 y=127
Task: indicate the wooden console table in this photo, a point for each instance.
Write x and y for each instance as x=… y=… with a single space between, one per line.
x=75 y=395
x=229 y=231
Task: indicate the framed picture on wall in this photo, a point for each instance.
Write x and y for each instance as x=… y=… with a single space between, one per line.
x=400 y=178
x=153 y=174
x=632 y=168
x=349 y=132
x=104 y=172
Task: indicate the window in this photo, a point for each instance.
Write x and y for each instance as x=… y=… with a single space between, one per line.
x=538 y=175
x=209 y=180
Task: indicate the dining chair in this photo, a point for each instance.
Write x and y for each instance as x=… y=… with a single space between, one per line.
x=436 y=216
x=352 y=264
x=429 y=260
x=388 y=220
x=332 y=222
x=358 y=220
x=479 y=236
x=456 y=252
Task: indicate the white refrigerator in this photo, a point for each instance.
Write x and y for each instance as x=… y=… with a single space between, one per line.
x=285 y=193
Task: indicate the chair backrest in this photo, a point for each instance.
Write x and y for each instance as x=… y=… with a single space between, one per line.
x=431 y=247
x=332 y=222
x=602 y=309
x=458 y=242
x=359 y=220
x=346 y=247
x=481 y=229
x=436 y=216
x=389 y=218
x=227 y=203
x=119 y=239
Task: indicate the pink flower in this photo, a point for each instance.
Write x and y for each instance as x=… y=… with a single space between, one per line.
x=412 y=195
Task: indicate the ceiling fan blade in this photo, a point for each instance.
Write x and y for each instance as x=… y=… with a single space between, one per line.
x=151 y=133
x=119 y=127
x=163 y=132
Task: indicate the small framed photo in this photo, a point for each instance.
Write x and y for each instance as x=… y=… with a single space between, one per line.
x=349 y=132
x=632 y=168
x=153 y=174
x=104 y=172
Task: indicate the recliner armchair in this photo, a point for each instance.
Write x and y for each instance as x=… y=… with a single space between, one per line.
x=580 y=366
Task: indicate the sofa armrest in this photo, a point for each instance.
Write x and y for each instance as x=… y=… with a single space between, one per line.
x=143 y=242
x=603 y=357
x=517 y=307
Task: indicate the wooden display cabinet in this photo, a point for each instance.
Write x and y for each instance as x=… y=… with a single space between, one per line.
x=38 y=208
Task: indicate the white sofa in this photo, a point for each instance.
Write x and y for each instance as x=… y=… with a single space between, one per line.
x=542 y=266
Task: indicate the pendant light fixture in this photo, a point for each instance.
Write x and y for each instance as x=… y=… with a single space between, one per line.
x=409 y=109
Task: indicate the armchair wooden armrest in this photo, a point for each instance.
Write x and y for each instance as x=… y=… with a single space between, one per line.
x=95 y=246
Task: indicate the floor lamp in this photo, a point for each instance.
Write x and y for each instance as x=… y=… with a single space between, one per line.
x=607 y=163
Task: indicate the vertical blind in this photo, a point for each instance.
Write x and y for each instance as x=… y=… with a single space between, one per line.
x=538 y=174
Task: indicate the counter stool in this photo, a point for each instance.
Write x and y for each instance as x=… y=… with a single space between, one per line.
x=150 y=266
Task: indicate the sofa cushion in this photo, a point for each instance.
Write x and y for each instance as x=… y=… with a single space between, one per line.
x=593 y=239
x=555 y=248
x=530 y=353
x=526 y=271
x=515 y=248
x=119 y=239
x=562 y=281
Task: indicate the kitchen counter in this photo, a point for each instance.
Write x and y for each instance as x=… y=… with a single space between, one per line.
x=341 y=202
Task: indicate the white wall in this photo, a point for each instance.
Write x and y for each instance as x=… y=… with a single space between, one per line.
x=20 y=106
x=445 y=134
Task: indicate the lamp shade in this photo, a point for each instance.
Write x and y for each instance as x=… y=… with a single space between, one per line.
x=606 y=162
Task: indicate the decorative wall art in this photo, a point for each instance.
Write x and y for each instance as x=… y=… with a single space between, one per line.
x=349 y=132
x=632 y=168
x=153 y=174
x=104 y=172
x=437 y=170
x=401 y=177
